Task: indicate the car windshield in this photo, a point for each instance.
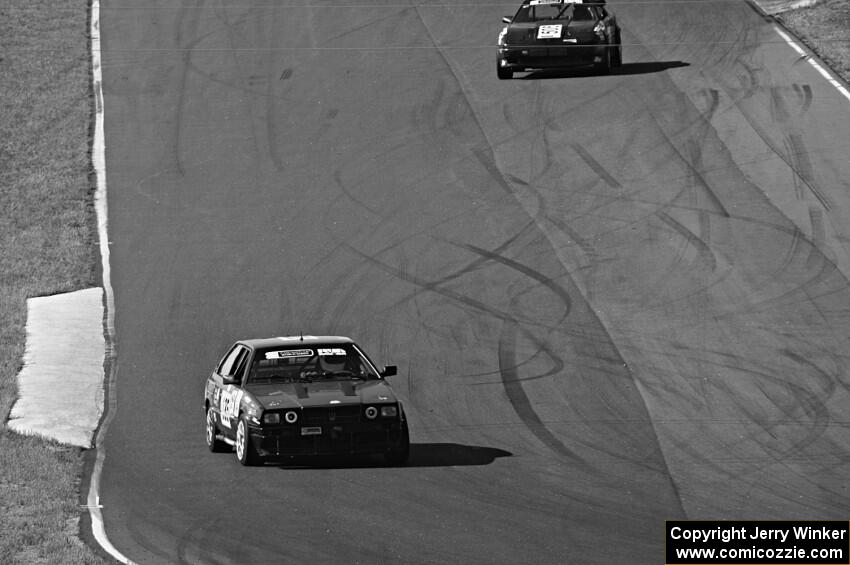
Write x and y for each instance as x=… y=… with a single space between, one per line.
x=553 y=12
x=311 y=363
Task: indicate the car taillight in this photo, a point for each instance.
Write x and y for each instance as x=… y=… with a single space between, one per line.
x=271 y=418
x=291 y=417
x=389 y=411
x=371 y=412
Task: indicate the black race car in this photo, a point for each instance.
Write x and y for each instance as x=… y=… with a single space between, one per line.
x=547 y=34
x=277 y=398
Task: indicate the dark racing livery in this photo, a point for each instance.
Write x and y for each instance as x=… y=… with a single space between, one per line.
x=277 y=398
x=551 y=34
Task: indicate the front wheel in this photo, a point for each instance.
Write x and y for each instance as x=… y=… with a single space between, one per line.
x=400 y=454
x=213 y=443
x=245 y=452
x=607 y=62
x=504 y=73
x=618 y=57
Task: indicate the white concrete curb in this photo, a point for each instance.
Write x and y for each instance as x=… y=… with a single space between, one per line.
x=773 y=7
x=94 y=506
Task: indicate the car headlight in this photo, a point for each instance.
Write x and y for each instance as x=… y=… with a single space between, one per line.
x=291 y=417
x=271 y=418
x=389 y=411
x=599 y=30
x=371 y=412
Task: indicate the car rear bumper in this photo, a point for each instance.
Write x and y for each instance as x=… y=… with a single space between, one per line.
x=334 y=439
x=551 y=57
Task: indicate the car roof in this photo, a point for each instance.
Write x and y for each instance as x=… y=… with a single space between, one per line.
x=539 y=2
x=295 y=341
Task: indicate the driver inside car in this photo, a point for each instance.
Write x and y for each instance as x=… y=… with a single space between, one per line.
x=332 y=363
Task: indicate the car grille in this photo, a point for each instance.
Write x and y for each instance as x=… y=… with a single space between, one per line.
x=325 y=414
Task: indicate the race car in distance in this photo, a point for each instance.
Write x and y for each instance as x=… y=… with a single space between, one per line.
x=551 y=34
x=281 y=397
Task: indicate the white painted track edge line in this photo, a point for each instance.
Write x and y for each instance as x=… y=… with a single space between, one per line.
x=813 y=62
x=99 y=164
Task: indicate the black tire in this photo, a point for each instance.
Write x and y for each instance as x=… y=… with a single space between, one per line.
x=607 y=62
x=504 y=73
x=213 y=443
x=400 y=454
x=245 y=452
x=618 y=58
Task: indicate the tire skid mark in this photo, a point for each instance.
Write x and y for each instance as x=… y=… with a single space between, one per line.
x=432 y=286
x=818 y=230
x=801 y=400
x=507 y=319
x=392 y=14
x=596 y=166
x=798 y=238
x=713 y=96
x=703 y=250
x=474 y=265
x=337 y=176
x=802 y=167
x=794 y=154
x=425 y=114
x=827 y=381
x=804 y=400
x=489 y=164
x=704 y=219
x=805 y=94
x=271 y=120
x=529 y=128
x=192 y=549
x=519 y=399
x=186 y=60
x=558 y=365
x=691 y=169
x=508 y=365
x=591 y=254
x=778 y=109
x=556 y=289
x=814 y=260
x=139 y=532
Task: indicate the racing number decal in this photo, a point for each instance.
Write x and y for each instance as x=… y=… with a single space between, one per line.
x=229 y=404
x=549 y=31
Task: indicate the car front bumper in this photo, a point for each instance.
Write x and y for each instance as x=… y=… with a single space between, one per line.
x=333 y=439
x=551 y=57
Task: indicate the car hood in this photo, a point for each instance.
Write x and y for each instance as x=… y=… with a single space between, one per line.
x=322 y=393
x=526 y=33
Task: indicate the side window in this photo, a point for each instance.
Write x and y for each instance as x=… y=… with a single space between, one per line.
x=241 y=362
x=228 y=363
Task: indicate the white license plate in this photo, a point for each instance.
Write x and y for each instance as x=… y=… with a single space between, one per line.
x=312 y=431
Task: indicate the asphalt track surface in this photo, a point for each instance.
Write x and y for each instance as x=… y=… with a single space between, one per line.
x=613 y=300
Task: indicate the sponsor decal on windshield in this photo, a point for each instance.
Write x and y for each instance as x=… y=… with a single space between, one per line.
x=284 y=353
x=331 y=352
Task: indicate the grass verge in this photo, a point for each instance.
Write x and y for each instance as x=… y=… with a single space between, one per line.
x=50 y=243
x=825 y=29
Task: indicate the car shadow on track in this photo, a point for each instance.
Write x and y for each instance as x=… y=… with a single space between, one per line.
x=421 y=455
x=624 y=69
